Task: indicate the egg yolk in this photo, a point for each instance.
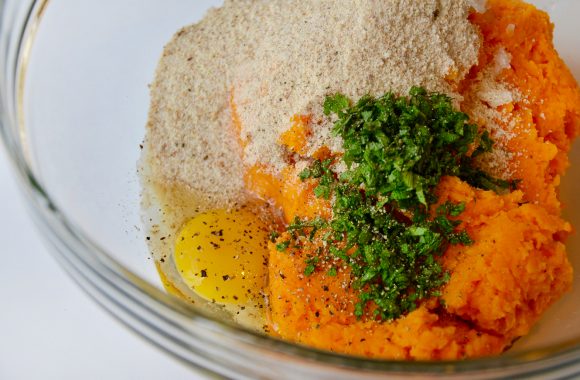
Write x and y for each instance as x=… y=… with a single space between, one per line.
x=222 y=255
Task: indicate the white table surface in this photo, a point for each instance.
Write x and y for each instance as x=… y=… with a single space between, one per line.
x=49 y=329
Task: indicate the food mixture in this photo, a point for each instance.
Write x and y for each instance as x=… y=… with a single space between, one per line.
x=375 y=178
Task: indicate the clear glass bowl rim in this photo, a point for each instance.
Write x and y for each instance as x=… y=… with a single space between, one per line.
x=181 y=329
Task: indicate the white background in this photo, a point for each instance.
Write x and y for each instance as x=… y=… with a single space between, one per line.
x=49 y=329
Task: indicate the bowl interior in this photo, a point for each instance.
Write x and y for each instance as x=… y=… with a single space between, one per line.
x=85 y=108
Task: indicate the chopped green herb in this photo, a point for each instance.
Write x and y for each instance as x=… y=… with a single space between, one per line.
x=306 y=173
x=310 y=265
x=273 y=236
x=281 y=247
x=396 y=150
x=335 y=104
x=451 y=209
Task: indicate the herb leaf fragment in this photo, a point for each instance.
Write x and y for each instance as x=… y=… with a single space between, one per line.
x=384 y=226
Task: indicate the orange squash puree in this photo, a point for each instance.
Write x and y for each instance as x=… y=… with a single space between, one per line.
x=296 y=137
x=236 y=122
x=517 y=266
x=548 y=113
x=287 y=191
x=264 y=184
x=318 y=311
x=499 y=287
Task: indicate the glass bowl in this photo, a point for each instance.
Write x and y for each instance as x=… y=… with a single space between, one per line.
x=74 y=100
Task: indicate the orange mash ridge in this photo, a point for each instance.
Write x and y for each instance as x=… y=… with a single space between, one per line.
x=517 y=266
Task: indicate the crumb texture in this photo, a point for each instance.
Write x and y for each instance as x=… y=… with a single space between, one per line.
x=280 y=58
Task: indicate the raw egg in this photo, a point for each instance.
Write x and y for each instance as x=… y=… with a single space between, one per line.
x=222 y=255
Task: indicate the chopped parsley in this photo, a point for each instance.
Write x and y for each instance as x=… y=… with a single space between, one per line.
x=281 y=247
x=396 y=150
x=310 y=265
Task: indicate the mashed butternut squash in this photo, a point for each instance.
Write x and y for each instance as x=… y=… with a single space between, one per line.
x=516 y=267
x=498 y=289
x=547 y=113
